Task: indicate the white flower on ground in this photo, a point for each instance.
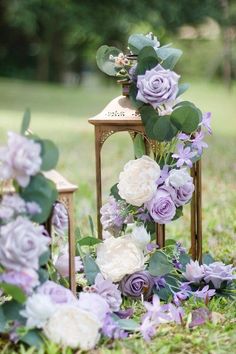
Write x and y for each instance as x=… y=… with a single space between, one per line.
x=178 y=178
x=137 y=182
x=38 y=309
x=117 y=257
x=194 y=272
x=73 y=327
x=20 y=159
x=140 y=237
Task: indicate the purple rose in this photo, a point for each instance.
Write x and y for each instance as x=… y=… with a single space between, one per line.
x=109 y=291
x=161 y=207
x=157 y=86
x=137 y=284
x=57 y=293
x=184 y=194
x=60 y=218
x=26 y=279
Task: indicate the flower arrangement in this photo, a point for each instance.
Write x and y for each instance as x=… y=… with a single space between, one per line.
x=155 y=190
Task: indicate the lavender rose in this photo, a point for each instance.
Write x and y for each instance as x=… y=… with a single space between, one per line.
x=218 y=273
x=109 y=291
x=58 y=294
x=137 y=284
x=26 y=279
x=184 y=194
x=20 y=159
x=21 y=244
x=157 y=86
x=162 y=208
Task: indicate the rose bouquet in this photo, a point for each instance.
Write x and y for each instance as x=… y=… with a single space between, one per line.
x=154 y=190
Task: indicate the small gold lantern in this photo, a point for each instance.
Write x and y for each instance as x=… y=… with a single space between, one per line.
x=120 y=116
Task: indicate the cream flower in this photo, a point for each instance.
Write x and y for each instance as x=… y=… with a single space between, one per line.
x=140 y=237
x=117 y=257
x=72 y=327
x=137 y=182
x=178 y=178
x=194 y=272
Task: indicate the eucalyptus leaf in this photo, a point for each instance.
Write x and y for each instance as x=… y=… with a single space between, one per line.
x=49 y=155
x=178 y=213
x=164 y=130
x=103 y=61
x=90 y=269
x=132 y=96
x=42 y=191
x=147 y=59
x=11 y=310
x=44 y=258
x=185 y=118
x=115 y=192
x=169 y=56
x=14 y=291
x=137 y=42
x=33 y=338
x=139 y=146
x=149 y=117
x=89 y=241
x=164 y=293
x=207 y=259
x=182 y=88
x=127 y=324
x=3 y=320
x=25 y=122
x=159 y=264
x=184 y=259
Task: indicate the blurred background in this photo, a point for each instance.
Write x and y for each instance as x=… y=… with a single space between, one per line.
x=47 y=63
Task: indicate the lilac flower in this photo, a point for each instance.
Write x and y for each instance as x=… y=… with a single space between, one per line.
x=20 y=159
x=151 y=247
x=206 y=122
x=180 y=296
x=180 y=249
x=60 y=218
x=123 y=314
x=199 y=317
x=161 y=207
x=194 y=272
x=184 y=156
x=157 y=86
x=164 y=175
x=205 y=293
x=218 y=273
x=111 y=217
x=137 y=284
x=159 y=282
x=25 y=279
x=112 y=330
x=156 y=312
x=198 y=143
x=147 y=328
x=109 y=291
x=58 y=294
x=176 y=313
x=183 y=136
x=176 y=263
x=11 y=205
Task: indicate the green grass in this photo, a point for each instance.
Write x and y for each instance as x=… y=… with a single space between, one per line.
x=61 y=113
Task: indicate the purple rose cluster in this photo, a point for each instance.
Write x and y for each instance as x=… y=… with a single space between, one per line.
x=174 y=189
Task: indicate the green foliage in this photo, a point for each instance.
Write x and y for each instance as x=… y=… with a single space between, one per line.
x=25 y=122
x=137 y=42
x=147 y=59
x=90 y=269
x=207 y=258
x=33 y=338
x=159 y=264
x=44 y=258
x=126 y=324
x=49 y=154
x=2 y=320
x=185 y=118
x=139 y=146
x=103 y=59
x=14 y=291
x=182 y=89
x=89 y=241
x=169 y=56
x=11 y=310
x=115 y=192
x=42 y=191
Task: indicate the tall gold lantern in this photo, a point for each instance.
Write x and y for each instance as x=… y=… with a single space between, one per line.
x=120 y=116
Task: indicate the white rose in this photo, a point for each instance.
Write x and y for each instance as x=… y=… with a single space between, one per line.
x=72 y=327
x=95 y=304
x=117 y=257
x=38 y=309
x=140 y=237
x=178 y=178
x=194 y=272
x=137 y=182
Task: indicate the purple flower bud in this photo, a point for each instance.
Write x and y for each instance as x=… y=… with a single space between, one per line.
x=137 y=284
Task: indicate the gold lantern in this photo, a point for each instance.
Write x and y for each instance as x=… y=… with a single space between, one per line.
x=120 y=116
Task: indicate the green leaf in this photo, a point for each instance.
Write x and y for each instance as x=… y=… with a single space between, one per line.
x=91 y=225
x=89 y=241
x=43 y=275
x=25 y=122
x=2 y=320
x=90 y=269
x=207 y=259
x=137 y=42
x=184 y=260
x=147 y=59
x=139 y=146
x=33 y=338
x=164 y=130
x=44 y=258
x=149 y=117
x=115 y=192
x=185 y=118
x=179 y=213
x=11 y=310
x=14 y=291
x=159 y=264
x=169 y=56
x=126 y=324
x=182 y=89
x=42 y=191
x=49 y=155
x=164 y=293
x=103 y=61
x=132 y=95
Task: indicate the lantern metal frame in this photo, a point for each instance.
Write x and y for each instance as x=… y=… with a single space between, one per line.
x=120 y=116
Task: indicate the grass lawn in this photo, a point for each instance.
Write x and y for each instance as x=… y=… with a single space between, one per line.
x=61 y=113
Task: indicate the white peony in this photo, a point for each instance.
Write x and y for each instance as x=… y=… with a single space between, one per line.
x=38 y=309
x=194 y=272
x=178 y=178
x=72 y=327
x=137 y=182
x=140 y=237
x=117 y=257
x=94 y=303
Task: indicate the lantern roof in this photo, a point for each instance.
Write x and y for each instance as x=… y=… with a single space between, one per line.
x=117 y=112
